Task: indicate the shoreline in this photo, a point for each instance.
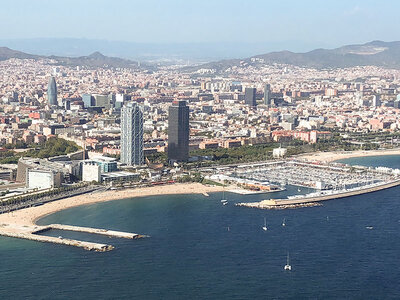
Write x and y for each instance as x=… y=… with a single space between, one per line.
x=338 y=155
x=30 y=215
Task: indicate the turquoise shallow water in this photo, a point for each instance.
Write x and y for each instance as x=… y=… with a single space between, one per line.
x=192 y=255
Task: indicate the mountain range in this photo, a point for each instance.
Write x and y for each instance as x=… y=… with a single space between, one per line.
x=153 y=52
x=93 y=60
x=375 y=53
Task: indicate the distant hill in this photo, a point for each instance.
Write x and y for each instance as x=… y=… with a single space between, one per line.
x=376 y=53
x=93 y=60
x=7 y=53
x=165 y=53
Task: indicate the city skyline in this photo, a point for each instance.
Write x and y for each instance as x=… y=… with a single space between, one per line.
x=195 y=160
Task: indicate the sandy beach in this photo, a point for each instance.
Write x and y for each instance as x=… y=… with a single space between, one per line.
x=332 y=156
x=28 y=216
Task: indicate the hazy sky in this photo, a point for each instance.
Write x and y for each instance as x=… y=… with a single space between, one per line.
x=323 y=22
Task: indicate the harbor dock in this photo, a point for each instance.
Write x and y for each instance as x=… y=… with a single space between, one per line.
x=33 y=233
x=309 y=201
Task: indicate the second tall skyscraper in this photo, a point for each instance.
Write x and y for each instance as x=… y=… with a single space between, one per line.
x=132 y=135
x=178 y=131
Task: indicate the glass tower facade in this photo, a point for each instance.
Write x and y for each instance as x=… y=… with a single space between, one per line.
x=132 y=135
x=250 y=96
x=52 y=92
x=178 y=131
x=267 y=95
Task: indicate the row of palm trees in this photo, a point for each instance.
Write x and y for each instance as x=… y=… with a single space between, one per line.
x=41 y=197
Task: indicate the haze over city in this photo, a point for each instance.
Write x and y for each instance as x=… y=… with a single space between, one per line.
x=222 y=29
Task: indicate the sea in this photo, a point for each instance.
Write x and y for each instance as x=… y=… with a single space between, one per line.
x=199 y=249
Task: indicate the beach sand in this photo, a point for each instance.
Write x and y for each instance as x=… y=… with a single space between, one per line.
x=28 y=216
x=332 y=156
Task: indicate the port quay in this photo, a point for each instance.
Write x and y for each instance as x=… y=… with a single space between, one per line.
x=331 y=181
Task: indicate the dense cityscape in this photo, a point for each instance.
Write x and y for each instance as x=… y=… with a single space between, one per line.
x=222 y=149
x=136 y=124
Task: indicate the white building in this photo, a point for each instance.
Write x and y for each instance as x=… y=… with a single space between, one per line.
x=91 y=171
x=42 y=179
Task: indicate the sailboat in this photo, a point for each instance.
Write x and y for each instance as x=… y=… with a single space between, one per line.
x=284 y=222
x=223 y=200
x=287 y=266
x=265 y=225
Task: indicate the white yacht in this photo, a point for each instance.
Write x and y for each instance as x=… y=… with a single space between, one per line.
x=284 y=222
x=223 y=200
x=265 y=225
x=288 y=266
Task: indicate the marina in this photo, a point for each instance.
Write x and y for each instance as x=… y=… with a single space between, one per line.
x=329 y=181
x=274 y=176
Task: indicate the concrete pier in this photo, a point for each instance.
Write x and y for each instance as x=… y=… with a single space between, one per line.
x=111 y=233
x=32 y=233
x=308 y=201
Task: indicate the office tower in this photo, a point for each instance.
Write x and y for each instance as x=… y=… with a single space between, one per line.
x=52 y=92
x=111 y=101
x=267 y=94
x=236 y=87
x=359 y=98
x=178 y=131
x=132 y=135
x=67 y=104
x=101 y=100
x=88 y=100
x=250 y=96
x=14 y=96
x=376 y=100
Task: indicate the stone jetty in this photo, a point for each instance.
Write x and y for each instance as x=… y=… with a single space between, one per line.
x=33 y=233
x=312 y=201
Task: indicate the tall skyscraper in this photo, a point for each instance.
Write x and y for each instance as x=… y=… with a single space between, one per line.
x=267 y=94
x=178 y=131
x=52 y=92
x=132 y=135
x=376 y=100
x=250 y=97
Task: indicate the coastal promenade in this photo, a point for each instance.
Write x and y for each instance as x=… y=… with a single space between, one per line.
x=309 y=201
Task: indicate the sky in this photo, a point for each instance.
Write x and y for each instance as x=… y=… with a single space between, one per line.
x=316 y=23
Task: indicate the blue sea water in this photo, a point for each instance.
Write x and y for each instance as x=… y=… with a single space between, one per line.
x=191 y=254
